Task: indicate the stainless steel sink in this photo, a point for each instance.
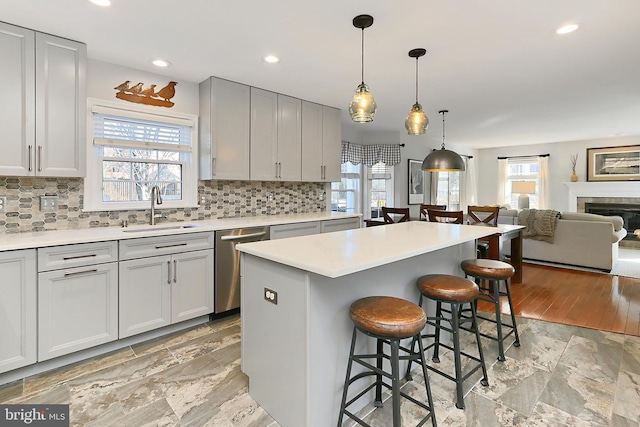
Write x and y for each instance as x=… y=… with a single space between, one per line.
x=158 y=228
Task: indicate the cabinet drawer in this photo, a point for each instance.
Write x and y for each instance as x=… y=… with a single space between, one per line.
x=340 y=224
x=293 y=230
x=164 y=245
x=58 y=257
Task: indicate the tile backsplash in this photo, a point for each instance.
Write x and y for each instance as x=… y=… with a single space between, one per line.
x=216 y=199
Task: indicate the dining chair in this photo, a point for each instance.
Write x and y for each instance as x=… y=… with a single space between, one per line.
x=483 y=215
x=449 y=217
x=387 y=212
x=423 y=210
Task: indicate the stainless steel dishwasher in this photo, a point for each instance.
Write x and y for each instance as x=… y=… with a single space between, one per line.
x=227 y=264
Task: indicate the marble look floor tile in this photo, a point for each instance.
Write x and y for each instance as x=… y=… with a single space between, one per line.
x=170 y=340
x=572 y=391
x=618 y=421
x=206 y=344
x=627 y=400
x=10 y=391
x=631 y=355
x=47 y=379
x=156 y=414
x=224 y=322
x=548 y=416
x=515 y=384
x=556 y=331
x=483 y=412
x=243 y=411
x=600 y=336
x=538 y=350
x=60 y=394
x=597 y=359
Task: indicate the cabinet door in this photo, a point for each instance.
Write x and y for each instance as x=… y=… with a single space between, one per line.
x=289 y=138
x=311 y=142
x=17 y=107
x=293 y=230
x=331 y=144
x=224 y=129
x=264 y=135
x=145 y=295
x=17 y=309
x=77 y=309
x=192 y=285
x=60 y=107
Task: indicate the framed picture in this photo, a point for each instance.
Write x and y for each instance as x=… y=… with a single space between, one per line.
x=416 y=182
x=613 y=163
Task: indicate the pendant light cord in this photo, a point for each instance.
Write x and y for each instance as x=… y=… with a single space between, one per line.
x=362 y=56
x=443 y=130
x=416 y=80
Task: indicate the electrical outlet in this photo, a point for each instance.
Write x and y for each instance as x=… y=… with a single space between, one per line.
x=3 y=204
x=271 y=296
x=48 y=203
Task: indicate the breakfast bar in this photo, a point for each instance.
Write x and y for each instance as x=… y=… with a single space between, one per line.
x=296 y=295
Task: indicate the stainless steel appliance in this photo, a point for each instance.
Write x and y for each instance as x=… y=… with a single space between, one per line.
x=227 y=264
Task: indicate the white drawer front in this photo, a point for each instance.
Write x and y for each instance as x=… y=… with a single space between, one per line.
x=164 y=245
x=67 y=256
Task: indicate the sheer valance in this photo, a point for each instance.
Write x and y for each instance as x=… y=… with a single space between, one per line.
x=369 y=155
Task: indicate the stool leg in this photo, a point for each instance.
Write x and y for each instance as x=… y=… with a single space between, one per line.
x=513 y=316
x=378 y=401
x=485 y=379
x=436 y=344
x=455 y=326
x=395 y=382
x=347 y=378
x=426 y=382
x=496 y=301
x=417 y=338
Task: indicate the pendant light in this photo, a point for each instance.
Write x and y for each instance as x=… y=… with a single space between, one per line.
x=417 y=121
x=443 y=160
x=363 y=107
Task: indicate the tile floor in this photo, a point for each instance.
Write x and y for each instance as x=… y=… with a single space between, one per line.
x=560 y=376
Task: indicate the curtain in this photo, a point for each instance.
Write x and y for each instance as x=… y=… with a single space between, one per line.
x=469 y=185
x=369 y=155
x=502 y=181
x=543 y=182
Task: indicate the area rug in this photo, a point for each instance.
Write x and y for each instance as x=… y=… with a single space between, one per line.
x=627 y=268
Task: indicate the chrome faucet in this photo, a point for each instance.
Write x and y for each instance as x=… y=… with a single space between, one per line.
x=155 y=198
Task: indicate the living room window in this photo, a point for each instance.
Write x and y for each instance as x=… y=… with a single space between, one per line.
x=524 y=177
x=132 y=151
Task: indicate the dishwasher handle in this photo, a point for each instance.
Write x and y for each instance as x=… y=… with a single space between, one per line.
x=243 y=236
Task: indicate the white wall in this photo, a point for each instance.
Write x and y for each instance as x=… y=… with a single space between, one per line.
x=559 y=166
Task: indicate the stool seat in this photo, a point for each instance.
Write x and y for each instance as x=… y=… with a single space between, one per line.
x=444 y=287
x=388 y=316
x=488 y=269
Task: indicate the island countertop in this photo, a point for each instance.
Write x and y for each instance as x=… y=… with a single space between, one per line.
x=345 y=252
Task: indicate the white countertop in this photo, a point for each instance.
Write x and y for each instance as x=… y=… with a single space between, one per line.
x=345 y=252
x=101 y=234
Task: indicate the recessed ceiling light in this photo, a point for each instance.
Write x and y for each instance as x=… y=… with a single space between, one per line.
x=101 y=2
x=567 y=29
x=160 y=63
x=271 y=59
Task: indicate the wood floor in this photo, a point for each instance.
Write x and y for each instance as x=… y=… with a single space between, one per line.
x=580 y=298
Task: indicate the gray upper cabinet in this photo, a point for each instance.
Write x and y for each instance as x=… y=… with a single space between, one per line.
x=321 y=143
x=276 y=135
x=224 y=129
x=43 y=104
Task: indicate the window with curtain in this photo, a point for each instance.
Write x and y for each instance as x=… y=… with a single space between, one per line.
x=379 y=189
x=134 y=151
x=523 y=169
x=456 y=190
x=346 y=195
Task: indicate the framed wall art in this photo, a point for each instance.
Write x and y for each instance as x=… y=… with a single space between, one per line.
x=416 y=182
x=613 y=163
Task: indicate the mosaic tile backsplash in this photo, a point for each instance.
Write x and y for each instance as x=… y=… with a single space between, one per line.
x=217 y=199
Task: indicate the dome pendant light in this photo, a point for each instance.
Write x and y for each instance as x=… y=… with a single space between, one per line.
x=363 y=107
x=443 y=160
x=417 y=121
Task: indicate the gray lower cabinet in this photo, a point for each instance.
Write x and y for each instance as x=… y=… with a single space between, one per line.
x=294 y=230
x=339 y=224
x=17 y=309
x=77 y=297
x=162 y=290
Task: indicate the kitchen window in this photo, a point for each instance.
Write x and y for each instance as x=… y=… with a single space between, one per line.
x=379 y=189
x=376 y=185
x=132 y=151
x=346 y=195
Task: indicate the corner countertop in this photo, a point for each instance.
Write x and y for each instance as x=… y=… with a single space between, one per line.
x=345 y=252
x=100 y=234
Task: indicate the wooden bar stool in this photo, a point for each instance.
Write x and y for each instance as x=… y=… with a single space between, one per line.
x=456 y=292
x=492 y=272
x=388 y=320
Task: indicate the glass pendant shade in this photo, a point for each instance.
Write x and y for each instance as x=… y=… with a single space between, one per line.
x=362 y=107
x=417 y=121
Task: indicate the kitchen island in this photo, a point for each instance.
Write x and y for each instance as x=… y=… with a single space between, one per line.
x=296 y=295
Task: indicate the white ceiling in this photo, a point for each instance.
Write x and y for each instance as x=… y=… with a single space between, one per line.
x=497 y=65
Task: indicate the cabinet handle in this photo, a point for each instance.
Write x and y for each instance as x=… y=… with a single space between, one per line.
x=30 y=158
x=213 y=166
x=175 y=271
x=324 y=172
x=39 y=158
x=169 y=272
x=67 y=258
x=170 y=245
x=279 y=170
x=75 y=273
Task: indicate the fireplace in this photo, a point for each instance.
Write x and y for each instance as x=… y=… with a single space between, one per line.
x=629 y=212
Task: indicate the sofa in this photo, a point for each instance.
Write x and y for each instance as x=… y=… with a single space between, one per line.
x=580 y=239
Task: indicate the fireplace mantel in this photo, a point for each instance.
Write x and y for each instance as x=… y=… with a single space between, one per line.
x=600 y=189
